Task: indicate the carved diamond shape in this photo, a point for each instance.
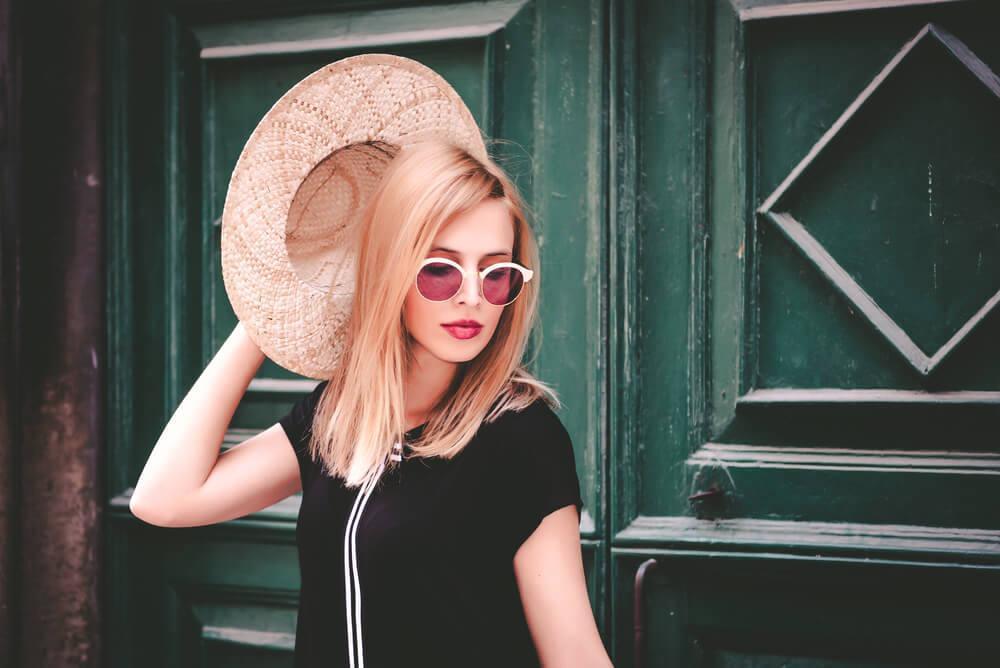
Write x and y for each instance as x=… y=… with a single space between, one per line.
x=830 y=268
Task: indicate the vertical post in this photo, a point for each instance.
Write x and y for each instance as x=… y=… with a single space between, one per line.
x=58 y=330
x=10 y=103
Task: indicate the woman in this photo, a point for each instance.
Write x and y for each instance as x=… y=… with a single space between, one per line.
x=439 y=523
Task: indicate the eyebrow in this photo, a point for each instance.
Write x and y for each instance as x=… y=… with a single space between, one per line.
x=455 y=252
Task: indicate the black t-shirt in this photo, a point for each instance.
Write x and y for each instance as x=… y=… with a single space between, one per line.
x=432 y=547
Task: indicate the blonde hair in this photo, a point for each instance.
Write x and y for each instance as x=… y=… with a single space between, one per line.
x=360 y=414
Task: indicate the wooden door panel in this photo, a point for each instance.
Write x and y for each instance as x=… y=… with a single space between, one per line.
x=921 y=270
x=913 y=279
x=726 y=609
x=227 y=604
x=815 y=338
x=807 y=389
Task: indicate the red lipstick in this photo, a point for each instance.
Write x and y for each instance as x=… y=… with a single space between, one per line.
x=463 y=329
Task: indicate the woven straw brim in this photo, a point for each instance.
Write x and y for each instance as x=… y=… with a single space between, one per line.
x=299 y=187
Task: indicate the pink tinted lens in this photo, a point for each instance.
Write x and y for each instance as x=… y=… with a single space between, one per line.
x=439 y=281
x=502 y=285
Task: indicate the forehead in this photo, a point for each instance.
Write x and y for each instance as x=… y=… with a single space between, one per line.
x=483 y=230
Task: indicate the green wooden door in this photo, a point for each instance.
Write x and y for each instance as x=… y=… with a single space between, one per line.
x=190 y=81
x=806 y=454
x=771 y=253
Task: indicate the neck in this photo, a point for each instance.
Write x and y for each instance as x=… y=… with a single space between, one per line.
x=427 y=381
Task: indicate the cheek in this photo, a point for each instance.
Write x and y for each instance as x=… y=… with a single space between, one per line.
x=492 y=319
x=413 y=311
x=421 y=317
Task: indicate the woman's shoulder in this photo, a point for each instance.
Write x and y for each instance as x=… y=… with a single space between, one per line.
x=298 y=421
x=527 y=430
x=537 y=411
x=533 y=468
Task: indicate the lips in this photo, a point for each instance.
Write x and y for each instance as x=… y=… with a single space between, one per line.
x=463 y=331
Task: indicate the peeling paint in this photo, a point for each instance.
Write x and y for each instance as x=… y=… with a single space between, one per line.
x=930 y=192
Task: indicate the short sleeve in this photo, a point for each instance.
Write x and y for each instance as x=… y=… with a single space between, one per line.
x=544 y=475
x=297 y=424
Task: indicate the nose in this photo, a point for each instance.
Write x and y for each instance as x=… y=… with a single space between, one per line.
x=469 y=294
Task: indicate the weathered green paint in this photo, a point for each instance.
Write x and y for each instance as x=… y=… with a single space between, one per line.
x=708 y=607
x=856 y=523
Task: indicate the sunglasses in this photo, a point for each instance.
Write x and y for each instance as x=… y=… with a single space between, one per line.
x=439 y=279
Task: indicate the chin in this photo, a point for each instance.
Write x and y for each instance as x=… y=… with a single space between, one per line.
x=443 y=347
x=450 y=354
x=456 y=352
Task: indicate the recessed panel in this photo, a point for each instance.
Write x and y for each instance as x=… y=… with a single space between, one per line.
x=713 y=609
x=889 y=197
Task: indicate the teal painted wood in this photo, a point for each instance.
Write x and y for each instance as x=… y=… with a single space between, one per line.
x=744 y=366
x=189 y=83
x=668 y=430
x=751 y=10
x=665 y=213
x=569 y=186
x=117 y=559
x=916 y=289
x=706 y=607
x=569 y=205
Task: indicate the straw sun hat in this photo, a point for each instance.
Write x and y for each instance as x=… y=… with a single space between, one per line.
x=295 y=198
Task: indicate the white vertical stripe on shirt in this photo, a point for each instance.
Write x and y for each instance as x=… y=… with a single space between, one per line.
x=354 y=628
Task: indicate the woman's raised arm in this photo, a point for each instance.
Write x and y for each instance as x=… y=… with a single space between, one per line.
x=185 y=481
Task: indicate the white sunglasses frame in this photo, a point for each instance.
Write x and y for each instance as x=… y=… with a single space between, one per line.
x=525 y=272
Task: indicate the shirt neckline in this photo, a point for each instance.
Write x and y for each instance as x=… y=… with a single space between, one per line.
x=416 y=430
